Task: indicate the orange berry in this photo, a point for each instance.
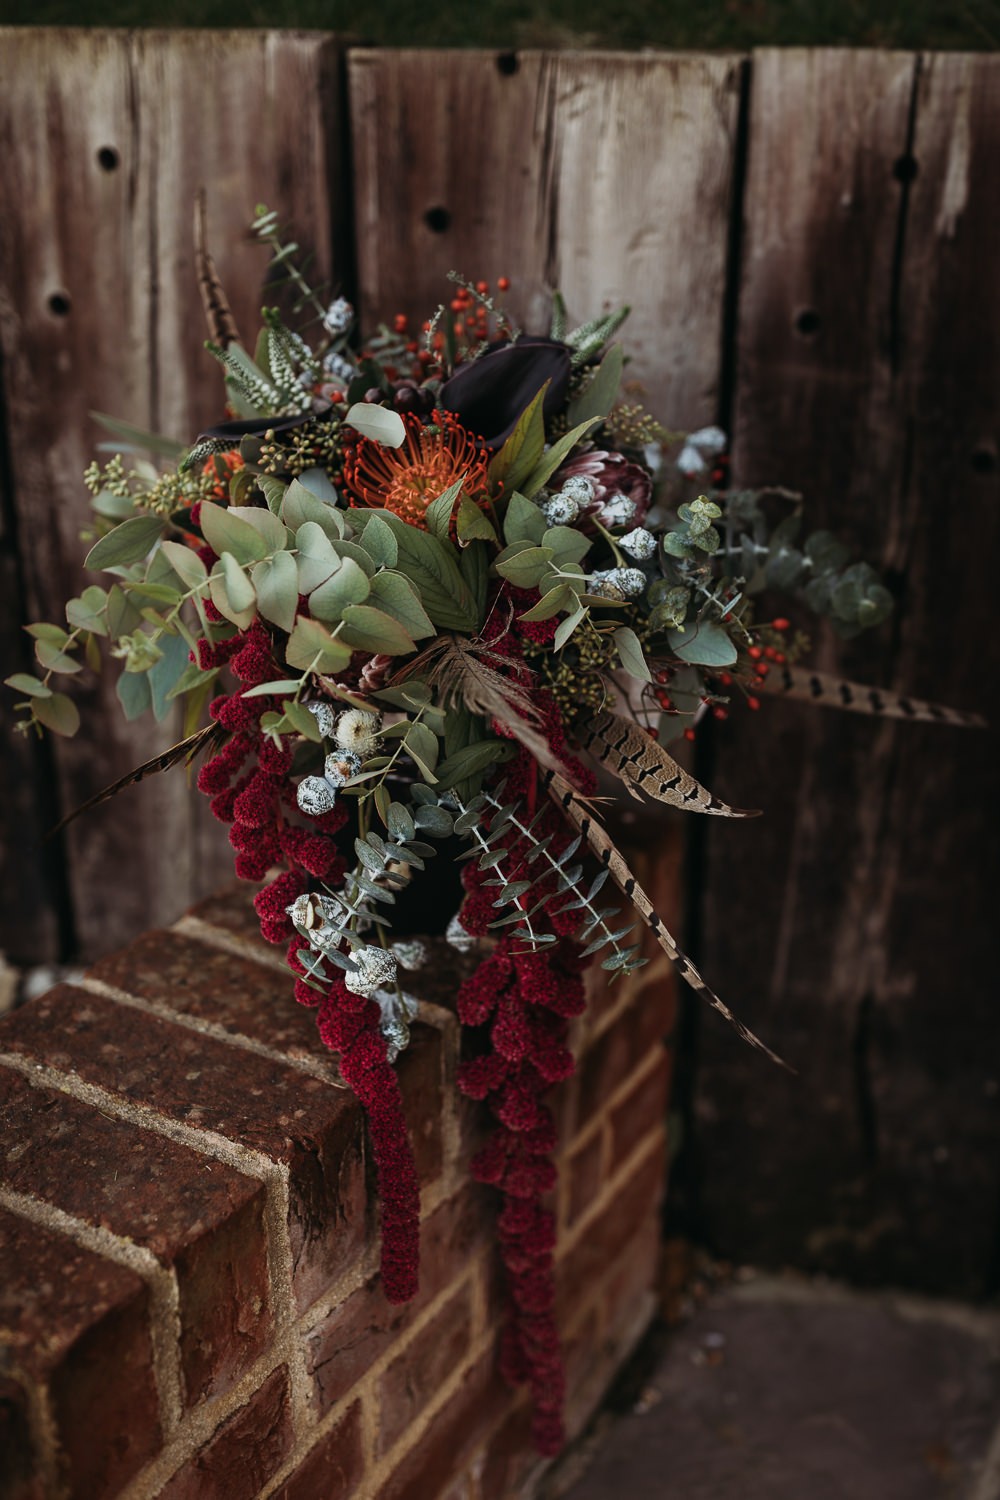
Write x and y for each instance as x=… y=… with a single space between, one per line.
x=689 y=734
x=753 y=702
x=399 y=322
x=503 y=282
x=755 y=653
x=781 y=624
x=482 y=287
x=720 y=713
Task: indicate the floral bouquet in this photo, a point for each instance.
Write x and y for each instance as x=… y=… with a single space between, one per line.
x=421 y=593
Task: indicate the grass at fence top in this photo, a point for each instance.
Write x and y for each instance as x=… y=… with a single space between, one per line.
x=695 y=24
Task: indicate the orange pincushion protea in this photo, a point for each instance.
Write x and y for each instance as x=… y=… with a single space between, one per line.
x=407 y=479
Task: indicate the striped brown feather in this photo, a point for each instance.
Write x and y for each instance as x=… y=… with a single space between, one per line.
x=644 y=766
x=209 y=738
x=218 y=314
x=837 y=692
x=603 y=847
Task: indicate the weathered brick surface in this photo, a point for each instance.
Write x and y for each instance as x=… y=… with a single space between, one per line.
x=623 y=1046
x=344 y=1344
x=583 y=1171
x=77 y=1326
x=642 y=1108
x=507 y=1457
x=452 y=1436
x=603 y=1238
x=207 y=1220
x=414 y=1378
x=177 y=972
x=419 y=1071
x=333 y=1469
x=290 y=1117
x=197 y=1216
x=244 y=1453
x=629 y=1282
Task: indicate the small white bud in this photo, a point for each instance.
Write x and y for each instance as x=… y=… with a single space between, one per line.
x=631 y=581
x=617 y=510
x=412 y=953
x=640 y=544
x=708 y=440
x=340 y=766
x=457 y=937
x=338 y=317
x=581 y=488
x=316 y=796
x=690 y=461
x=561 y=510
x=604 y=584
x=339 y=368
x=374 y=968
x=324 y=715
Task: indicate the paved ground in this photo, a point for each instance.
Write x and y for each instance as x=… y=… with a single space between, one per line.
x=786 y=1389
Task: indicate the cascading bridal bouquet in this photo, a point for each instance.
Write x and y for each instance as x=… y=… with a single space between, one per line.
x=420 y=592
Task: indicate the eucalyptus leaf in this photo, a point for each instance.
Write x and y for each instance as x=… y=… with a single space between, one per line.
x=379 y=542
x=377 y=423
x=58 y=713
x=127 y=543
x=348 y=585
x=472 y=524
x=225 y=532
x=311 y=643
x=166 y=673
x=318 y=483
x=526 y=569
x=267 y=525
x=133 y=693
x=370 y=629
x=276 y=584
x=707 y=644
x=630 y=653
x=185 y=562
x=24 y=682
x=394 y=593
x=316 y=560
x=301 y=505
x=523 y=521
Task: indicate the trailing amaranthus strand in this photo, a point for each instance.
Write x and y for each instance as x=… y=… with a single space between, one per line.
x=248 y=781
x=526 y=1000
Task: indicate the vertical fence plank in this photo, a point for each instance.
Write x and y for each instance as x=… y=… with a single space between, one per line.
x=865 y=298
x=106 y=136
x=605 y=175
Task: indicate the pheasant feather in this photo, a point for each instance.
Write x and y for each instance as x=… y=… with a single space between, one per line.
x=574 y=808
x=644 y=766
x=837 y=692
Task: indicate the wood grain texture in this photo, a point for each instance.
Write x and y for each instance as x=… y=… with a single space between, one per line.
x=606 y=176
x=867 y=375
x=106 y=137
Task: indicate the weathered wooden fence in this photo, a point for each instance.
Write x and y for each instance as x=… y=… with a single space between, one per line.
x=809 y=242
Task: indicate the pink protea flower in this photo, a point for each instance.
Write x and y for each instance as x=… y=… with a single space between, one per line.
x=611 y=476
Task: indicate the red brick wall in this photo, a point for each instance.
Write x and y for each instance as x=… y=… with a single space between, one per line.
x=189 y=1299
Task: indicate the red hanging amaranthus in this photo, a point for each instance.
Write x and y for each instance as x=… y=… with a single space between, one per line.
x=527 y=1000
x=249 y=783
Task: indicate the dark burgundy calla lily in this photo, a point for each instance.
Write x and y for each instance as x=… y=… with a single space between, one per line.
x=241 y=427
x=488 y=394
